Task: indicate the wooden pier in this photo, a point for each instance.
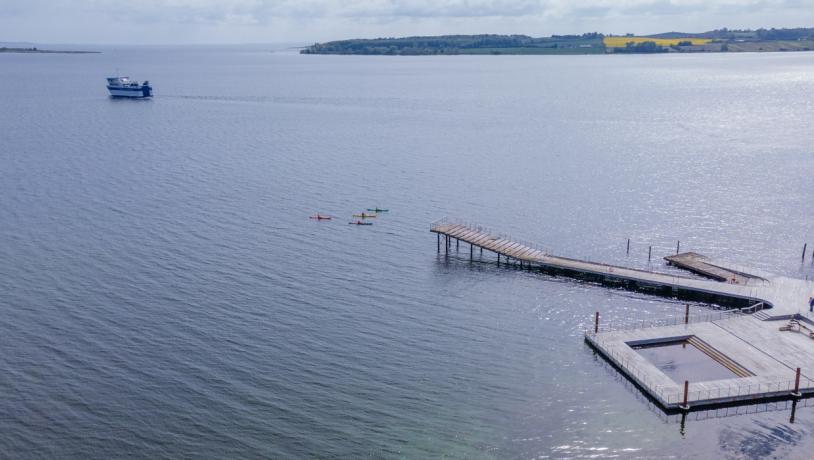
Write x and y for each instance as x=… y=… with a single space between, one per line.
x=745 y=291
x=701 y=265
x=761 y=344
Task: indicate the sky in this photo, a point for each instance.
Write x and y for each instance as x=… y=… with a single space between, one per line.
x=308 y=21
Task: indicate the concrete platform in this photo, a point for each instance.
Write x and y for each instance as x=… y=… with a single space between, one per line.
x=771 y=357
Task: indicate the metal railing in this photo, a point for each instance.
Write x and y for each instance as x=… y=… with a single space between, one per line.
x=679 y=319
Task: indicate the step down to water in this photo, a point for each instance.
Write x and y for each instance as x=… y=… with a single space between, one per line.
x=719 y=357
x=762 y=315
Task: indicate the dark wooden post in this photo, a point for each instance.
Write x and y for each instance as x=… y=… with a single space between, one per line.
x=793 y=411
x=446 y=244
x=687 y=314
x=804 y=250
x=797 y=383
x=678 y=245
x=628 y=246
x=439 y=241
x=649 y=252
x=457 y=243
x=498 y=259
x=596 y=323
x=686 y=393
x=470 y=251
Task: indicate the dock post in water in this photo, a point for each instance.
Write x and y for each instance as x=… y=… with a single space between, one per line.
x=439 y=242
x=797 y=384
x=649 y=252
x=804 y=250
x=685 y=405
x=596 y=323
x=457 y=243
x=628 y=246
x=470 y=251
x=678 y=245
x=686 y=313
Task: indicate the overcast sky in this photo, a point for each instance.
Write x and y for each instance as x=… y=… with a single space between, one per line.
x=306 y=21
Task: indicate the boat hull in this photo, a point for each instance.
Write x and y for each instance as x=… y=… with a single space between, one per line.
x=133 y=93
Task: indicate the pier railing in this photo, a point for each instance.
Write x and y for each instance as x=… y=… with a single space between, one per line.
x=677 y=320
x=673 y=395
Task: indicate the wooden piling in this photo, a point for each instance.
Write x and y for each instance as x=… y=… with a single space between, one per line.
x=686 y=406
x=649 y=252
x=793 y=411
x=804 y=250
x=439 y=242
x=596 y=323
x=457 y=244
x=687 y=314
x=797 y=384
x=470 y=251
x=678 y=245
x=628 y=246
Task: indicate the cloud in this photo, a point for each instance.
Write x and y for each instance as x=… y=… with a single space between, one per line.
x=177 y=21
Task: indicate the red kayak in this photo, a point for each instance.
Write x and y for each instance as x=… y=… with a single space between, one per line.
x=320 y=217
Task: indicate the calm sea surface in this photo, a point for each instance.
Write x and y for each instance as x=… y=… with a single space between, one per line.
x=163 y=293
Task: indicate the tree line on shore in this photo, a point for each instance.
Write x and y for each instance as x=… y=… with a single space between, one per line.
x=591 y=42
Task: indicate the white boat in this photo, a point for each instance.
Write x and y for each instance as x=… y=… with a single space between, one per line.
x=124 y=87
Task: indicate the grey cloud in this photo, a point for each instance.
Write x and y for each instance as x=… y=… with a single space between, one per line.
x=178 y=21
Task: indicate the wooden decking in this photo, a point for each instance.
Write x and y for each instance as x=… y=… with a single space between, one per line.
x=530 y=256
x=762 y=349
x=700 y=264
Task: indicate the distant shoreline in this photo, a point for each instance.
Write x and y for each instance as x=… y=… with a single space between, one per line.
x=714 y=41
x=5 y=49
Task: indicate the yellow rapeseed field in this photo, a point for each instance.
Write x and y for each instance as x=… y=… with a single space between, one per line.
x=620 y=42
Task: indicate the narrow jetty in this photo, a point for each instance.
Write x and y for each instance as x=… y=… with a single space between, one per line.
x=765 y=348
x=744 y=291
x=701 y=265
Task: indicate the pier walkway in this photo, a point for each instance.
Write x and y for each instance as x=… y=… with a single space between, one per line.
x=784 y=296
x=768 y=349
